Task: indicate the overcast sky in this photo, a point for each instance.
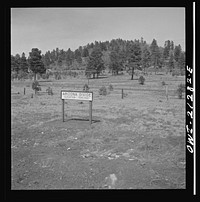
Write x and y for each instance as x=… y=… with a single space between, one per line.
x=63 y=28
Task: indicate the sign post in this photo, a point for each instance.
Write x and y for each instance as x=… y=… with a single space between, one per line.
x=63 y=110
x=77 y=95
x=90 y=112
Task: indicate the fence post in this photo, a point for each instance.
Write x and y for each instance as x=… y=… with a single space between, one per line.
x=24 y=91
x=166 y=91
x=122 y=93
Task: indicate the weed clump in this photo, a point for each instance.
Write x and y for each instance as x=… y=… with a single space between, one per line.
x=163 y=83
x=49 y=91
x=86 y=87
x=103 y=91
x=141 y=80
x=110 y=87
x=57 y=75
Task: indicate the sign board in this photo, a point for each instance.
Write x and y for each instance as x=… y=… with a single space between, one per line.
x=76 y=95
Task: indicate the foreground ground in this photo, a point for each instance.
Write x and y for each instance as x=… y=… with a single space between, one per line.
x=133 y=143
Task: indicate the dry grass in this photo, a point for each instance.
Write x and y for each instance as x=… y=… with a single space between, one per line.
x=140 y=139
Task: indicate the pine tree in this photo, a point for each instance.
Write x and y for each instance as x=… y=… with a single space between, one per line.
x=95 y=64
x=16 y=63
x=23 y=64
x=134 y=57
x=115 y=62
x=35 y=62
x=77 y=56
x=85 y=52
x=59 y=61
x=177 y=52
x=47 y=59
x=155 y=54
x=69 y=57
x=145 y=58
x=80 y=49
x=172 y=45
x=103 y=46
x=171 y=62
x=181 y=61
x=12 y=63
x=166 y=50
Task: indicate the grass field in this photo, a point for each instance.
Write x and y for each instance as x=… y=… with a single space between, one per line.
x=137 y=142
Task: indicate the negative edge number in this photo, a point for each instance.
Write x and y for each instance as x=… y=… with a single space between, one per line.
x=190 y=89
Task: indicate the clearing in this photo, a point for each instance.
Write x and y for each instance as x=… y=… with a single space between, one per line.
x=133 y=143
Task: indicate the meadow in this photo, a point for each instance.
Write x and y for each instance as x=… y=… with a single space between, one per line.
x=137 y=142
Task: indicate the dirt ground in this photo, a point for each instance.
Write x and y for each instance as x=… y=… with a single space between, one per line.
x=137 y=142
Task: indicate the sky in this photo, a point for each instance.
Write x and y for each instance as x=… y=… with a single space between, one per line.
x=63 y=28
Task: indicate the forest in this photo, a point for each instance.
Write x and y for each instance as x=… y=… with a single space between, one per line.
x=115 y=56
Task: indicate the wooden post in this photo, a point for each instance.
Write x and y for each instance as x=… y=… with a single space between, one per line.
x=24 y=91
x=122 y=93
x=90 y=112
x=166 y=92
x=63 y=110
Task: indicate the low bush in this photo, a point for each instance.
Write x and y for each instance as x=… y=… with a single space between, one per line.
x=141 y=80
x=22 y=75
x=49 y=91
x=45 y=76
x=57 y=75
x=103 y=91
x=110 y=87
x=86 y=87
x=13 y=75
x=30 y=75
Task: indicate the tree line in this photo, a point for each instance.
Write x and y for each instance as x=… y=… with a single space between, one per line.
x=115 y=55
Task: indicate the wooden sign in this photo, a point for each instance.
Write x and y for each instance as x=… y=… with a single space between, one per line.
x=77 y=95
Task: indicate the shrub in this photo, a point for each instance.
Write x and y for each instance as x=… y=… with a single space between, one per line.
x=49 y=91
x=163 y=83
x=86 y=87
x=31 y=75
x=141 y=80
x=13 y=75
x=45 y=76
x=180 y=90
x=36 y=86
x=57 y=75
x=22 y=75
x=103 y=91
x=110 y=87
